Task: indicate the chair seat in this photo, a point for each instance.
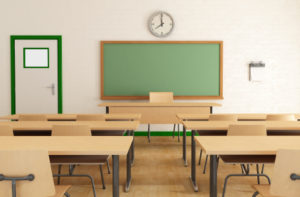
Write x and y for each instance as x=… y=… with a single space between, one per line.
x=250 y=159
x=264 y=190
x=78 y=159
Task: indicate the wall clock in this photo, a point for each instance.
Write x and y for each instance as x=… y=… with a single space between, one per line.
x=161 y=24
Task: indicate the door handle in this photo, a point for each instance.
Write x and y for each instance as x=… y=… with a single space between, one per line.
x=52 y=87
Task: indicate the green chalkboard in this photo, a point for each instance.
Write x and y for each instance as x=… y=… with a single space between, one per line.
x=132 y=69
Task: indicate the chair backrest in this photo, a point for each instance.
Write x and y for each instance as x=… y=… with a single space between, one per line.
x=6 y=130
x=32 y=117
x=71 y=130
x=223 y=117
x=281 y=117
x=90 y=117
x=247 y=130
x=161 y=97
x=20 y=163
x=286 y=163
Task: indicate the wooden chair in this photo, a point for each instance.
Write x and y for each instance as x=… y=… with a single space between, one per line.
x=73 y=160
x=281 y=117
x=246 y=160
x=162 y=97
x=286 y=180
x=6 y=130
x=28 y=174
x=216 y=117
x=32 y=117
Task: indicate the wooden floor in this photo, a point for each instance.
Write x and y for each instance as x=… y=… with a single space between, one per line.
x=158 y=171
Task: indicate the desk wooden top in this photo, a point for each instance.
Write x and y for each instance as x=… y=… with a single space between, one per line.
x=174 y=104
x=94 y=125
x=223 y=125
x=74 y=116
x=241 y=117
x=247 y=145
x=70 y=145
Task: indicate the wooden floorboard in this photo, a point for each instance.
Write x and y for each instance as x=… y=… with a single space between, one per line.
x=158 y=171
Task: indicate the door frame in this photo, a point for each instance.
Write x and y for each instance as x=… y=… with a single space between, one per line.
x=13 y=38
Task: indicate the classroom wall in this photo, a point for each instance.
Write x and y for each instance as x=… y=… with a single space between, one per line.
x=252 y=30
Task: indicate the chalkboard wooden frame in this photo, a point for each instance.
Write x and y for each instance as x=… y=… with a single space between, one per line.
x=103 y=97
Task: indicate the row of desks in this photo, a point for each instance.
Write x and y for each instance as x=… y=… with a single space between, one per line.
x=234 y=145
x=241 y=117
x=73 y=117
x=78 y=145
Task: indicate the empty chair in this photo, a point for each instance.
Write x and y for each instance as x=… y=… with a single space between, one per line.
x=162 y=97
x=73 y=160
x=6 y=130
x=285 y=181
x=90 y=117
x=32 y=117
x=217 y=117
x=281 y=117
x=246 y=160
x=32 y=173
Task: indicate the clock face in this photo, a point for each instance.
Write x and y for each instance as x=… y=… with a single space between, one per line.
x=161 y=24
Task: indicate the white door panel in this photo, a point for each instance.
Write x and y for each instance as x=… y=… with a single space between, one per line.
x=36 y=88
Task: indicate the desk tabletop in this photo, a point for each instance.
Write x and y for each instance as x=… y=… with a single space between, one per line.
x=74 y=116
x=246 y=145
x=147 y=104
x=94 y=125
x=241 y=117
x=70 y=145
x=223 y=125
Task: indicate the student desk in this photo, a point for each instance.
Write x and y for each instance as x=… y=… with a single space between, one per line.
x=46 y=127
x=241 y=117
x=72 y=117
x=242 y=145
x=159 y=113
x=78 y=145
x=273 y=128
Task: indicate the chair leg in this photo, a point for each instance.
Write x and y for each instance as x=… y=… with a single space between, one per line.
x=257 y=171
x=174 y=128
x=108 y=167
x=244 y=175
x=102 y=177
x=148 y=132
x=204 y=169
x=59 y=171
x=67 y=194
x=178 y=132
x=262 y=168
x=225 y=185
x=200 y=157
x=255 y=194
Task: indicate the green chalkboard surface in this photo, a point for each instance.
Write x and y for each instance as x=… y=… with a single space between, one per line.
x=132 y=69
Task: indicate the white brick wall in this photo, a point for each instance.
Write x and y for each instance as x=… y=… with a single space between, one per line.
x=266 y=30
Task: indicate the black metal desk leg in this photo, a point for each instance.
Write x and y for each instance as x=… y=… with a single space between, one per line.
x=213 y=175
x=184 y=147
x=128 y=165
x=193 y=163
x=115 y=187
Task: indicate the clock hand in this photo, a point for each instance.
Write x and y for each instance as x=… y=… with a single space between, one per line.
x=161 y=19
x=158 y=26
